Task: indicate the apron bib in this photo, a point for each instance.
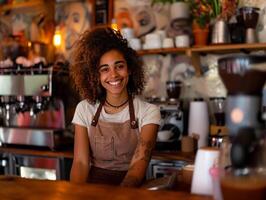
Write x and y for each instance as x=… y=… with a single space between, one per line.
x=112 y=147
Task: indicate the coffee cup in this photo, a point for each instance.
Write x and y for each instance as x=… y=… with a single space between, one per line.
x=135 y=43
x=168 y=43
x=164 y=135
x=206 y=158
x=182 y=40
x=153 y=41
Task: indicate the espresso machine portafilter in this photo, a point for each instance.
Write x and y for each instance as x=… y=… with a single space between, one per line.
x=244 y=78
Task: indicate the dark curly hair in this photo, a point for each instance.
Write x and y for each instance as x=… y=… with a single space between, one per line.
x=86 y=57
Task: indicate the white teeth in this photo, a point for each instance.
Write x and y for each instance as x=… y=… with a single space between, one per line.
x=114 y=83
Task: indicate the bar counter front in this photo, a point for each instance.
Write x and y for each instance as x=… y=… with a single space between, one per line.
x=20 y=188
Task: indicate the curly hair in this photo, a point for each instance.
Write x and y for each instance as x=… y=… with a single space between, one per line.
x=86 y=56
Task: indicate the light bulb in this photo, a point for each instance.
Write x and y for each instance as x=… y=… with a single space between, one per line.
x=57 y=40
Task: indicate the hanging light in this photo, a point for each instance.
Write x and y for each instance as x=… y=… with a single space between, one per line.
x=57 y=39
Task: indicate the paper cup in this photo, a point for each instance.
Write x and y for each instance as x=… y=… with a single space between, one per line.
x=202 y=183
x=198 y=123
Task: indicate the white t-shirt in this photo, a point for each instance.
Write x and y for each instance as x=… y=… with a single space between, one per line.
x=145 y=113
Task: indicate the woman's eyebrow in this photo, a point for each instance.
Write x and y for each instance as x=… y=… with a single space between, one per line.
x=116 y=62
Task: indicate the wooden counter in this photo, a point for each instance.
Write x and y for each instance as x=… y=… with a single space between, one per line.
x=174 y=155
x=20 y=188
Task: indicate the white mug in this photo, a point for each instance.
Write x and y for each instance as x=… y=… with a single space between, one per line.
x=182 y=40
x=135 y=43
x=164 y=135
x=206 y=158
x=153 y=41
x=168 y=43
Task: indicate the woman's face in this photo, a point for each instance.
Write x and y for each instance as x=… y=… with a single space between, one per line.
x=114 y=73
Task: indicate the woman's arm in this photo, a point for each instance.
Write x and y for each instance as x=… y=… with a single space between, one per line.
x=142 y=156
x=80 y=166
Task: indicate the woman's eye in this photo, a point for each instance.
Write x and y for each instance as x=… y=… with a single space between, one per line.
x=120 y=66
x=103 y=69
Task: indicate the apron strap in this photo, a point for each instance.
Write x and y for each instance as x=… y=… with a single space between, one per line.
x=133 y=121
x=97 y=114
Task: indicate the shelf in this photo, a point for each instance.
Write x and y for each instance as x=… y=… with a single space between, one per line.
x=194 y=52
x=21 y=5
x=219 y=48
x=228 y=48
x=163 y=51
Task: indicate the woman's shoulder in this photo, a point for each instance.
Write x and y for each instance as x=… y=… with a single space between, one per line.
x=84 y=105
x=144 y=105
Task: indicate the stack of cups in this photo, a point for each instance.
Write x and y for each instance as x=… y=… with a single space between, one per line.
x=198 y=123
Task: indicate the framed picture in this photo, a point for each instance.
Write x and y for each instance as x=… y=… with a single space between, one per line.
x=72 y=19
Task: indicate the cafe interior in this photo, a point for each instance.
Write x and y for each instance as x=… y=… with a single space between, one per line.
x=205 y=66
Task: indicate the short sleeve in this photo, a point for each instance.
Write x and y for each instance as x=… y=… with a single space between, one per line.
x=82 y=115
x=150 y=115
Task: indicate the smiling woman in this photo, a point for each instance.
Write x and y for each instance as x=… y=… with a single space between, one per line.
x=115 y=131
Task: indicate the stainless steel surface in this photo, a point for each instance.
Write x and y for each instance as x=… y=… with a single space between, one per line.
x=251 y=36
x=36 y=167
x=220 y=33
x=160 y=168
x=27 y=85
x=36 y=137
x=47 y=113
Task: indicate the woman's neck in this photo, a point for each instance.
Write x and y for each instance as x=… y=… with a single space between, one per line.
x=117 y=100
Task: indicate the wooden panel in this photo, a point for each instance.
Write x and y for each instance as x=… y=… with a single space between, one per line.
x=20 y=188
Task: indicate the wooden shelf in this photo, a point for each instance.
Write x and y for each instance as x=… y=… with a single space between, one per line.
x=22 y=5
x=163 y=51
x=228 y=48
x=194 y=52
x=219 y=48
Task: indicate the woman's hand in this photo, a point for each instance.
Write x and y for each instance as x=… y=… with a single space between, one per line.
x=80 y=167
x=142 y=156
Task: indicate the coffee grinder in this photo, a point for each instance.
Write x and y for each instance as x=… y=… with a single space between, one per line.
x=217 y=126
x=244 y=78
x=250 y=16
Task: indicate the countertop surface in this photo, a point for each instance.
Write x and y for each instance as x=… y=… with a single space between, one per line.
x=160 y=155
x=21 y=188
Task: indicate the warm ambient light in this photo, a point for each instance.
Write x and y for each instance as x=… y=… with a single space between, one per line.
x=57 y=40
x=114 y=25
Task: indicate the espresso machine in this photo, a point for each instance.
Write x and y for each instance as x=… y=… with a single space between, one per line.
x=243 y=158
x=30 y=111
x=172 y=122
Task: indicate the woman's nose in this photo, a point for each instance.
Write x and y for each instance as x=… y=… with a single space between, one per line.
x=113 y=72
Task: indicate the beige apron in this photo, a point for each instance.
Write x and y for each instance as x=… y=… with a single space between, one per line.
x=112 y=147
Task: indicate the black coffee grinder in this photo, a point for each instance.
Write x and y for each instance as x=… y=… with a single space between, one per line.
x=244 y=78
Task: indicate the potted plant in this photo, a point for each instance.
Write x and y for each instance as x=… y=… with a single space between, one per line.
x=202 y=13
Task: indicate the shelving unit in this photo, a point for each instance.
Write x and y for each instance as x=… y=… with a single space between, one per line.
x=21 y=5
x=194 y=52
